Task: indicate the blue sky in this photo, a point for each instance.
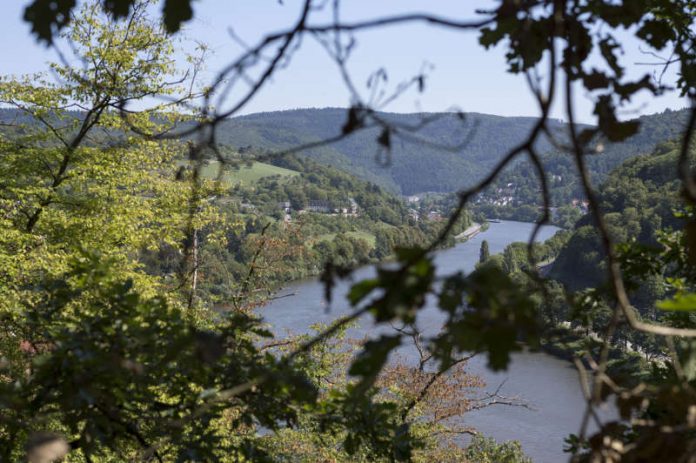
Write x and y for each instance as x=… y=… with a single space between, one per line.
x=463 y=75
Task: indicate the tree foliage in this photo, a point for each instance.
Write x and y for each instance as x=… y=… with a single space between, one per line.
x=574 y=44
x=105 y=357
x=484 y=252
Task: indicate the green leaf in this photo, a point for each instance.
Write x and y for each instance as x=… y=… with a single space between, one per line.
x=681 y=303
x=45 y=16
x=118 y=8
x=499 y=314
x=355 y=121
x=656 y=33
x=176 y=12
x=360 y=290
x=384 y=138
x=595 y=80
x=452 y=293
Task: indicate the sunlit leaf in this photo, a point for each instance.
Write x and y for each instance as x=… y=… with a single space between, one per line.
x=681 y=303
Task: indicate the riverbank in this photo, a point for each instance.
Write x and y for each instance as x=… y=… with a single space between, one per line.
x=345 y=257
x=549 y=385
x=471 y=232
x=571 y=344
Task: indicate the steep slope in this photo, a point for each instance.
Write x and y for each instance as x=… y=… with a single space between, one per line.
x=419 y=160
x=638 y=198
x=516 y=195
x=416 y=165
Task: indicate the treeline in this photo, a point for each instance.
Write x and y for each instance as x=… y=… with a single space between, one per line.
x=418 y=163
x=640 y=200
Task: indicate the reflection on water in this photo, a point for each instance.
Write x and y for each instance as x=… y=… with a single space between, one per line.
x=548 y=385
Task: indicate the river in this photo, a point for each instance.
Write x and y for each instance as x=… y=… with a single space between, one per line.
x=549 y=386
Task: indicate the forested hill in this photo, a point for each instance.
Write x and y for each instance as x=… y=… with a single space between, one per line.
x=416 y=166
x=640 y=197
x=419 y=162
x=655 y=129
x=516 y=194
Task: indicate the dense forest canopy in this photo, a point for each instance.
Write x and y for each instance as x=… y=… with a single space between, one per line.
x=462 y=152
x=515 y=193
x=143 y=224
x=453 y=149
x=640 y=199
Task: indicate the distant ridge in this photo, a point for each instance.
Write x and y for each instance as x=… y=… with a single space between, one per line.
x=415 y=166
x=418 y=167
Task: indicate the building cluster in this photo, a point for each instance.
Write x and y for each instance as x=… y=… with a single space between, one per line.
x=419 y=210
x=507 y=196
x=323 y=207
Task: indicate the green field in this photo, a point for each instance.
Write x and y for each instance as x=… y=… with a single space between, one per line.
x=245 y=174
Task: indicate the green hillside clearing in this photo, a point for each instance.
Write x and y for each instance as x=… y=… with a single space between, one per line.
x=244 y=173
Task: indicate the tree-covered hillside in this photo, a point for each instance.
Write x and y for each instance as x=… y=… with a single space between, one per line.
x=640 y=198
x=420 y=161
x=516 y=194
x=447 y=153
x=289 y=225
x=419 y=166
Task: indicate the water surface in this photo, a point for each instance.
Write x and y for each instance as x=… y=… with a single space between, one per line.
x=549 y=386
